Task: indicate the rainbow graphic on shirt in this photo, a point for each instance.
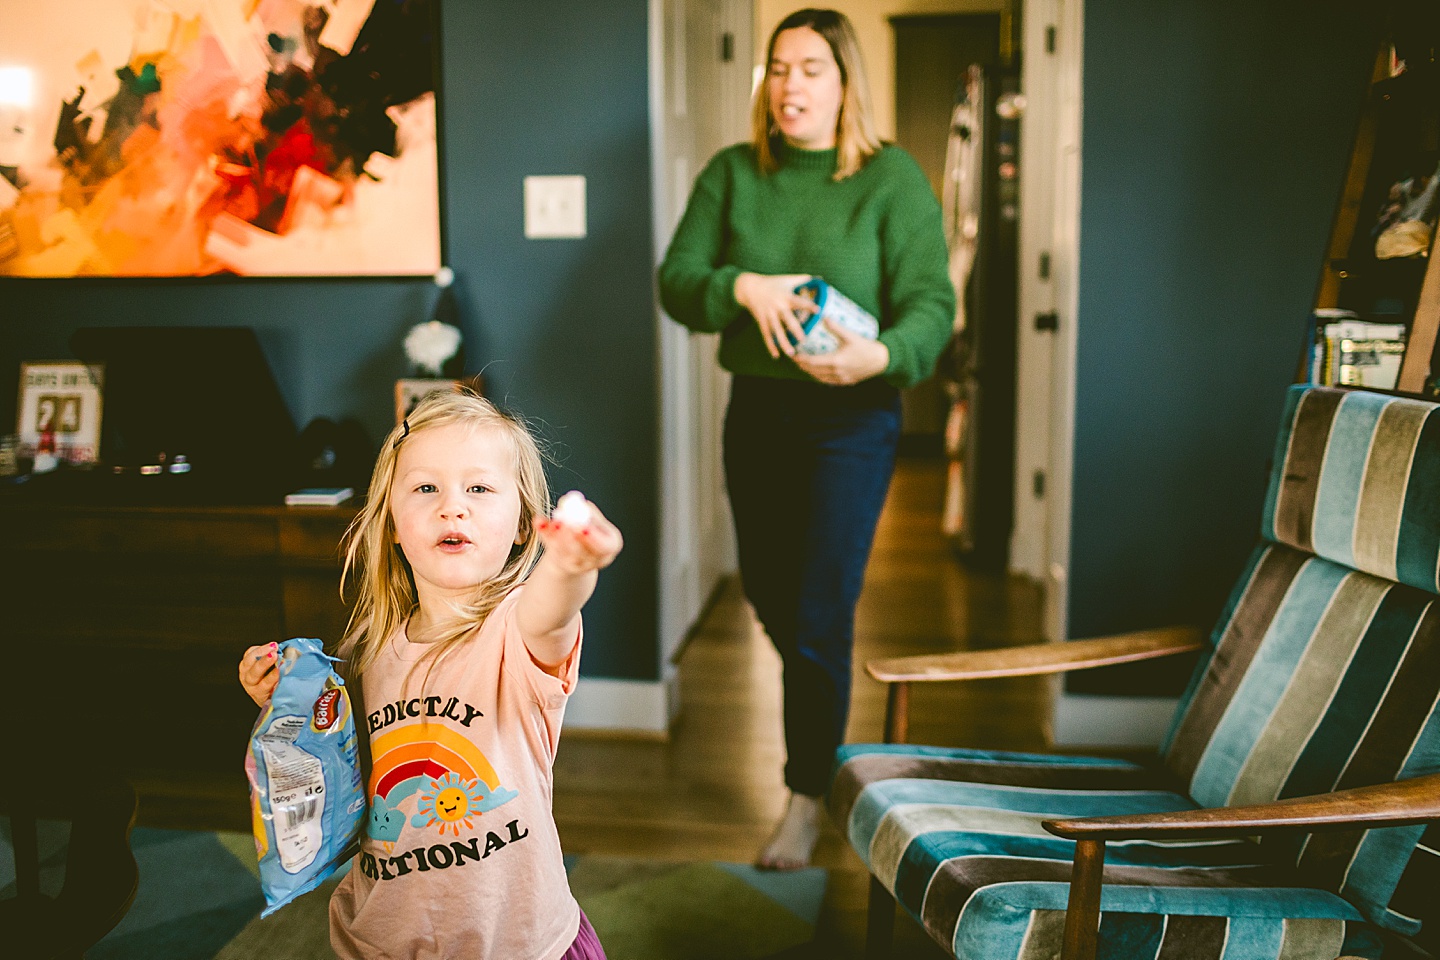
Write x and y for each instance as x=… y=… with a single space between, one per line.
x=449 y=776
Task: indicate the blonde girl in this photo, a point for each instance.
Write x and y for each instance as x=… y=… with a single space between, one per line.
x=464 y=646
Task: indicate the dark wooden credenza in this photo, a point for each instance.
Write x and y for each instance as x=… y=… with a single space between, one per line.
x=124 y=626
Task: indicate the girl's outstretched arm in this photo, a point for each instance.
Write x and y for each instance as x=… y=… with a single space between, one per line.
x=549 y=609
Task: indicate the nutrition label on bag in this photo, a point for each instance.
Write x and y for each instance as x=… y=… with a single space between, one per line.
x=297 y=793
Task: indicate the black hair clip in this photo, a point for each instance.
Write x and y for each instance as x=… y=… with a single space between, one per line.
x=406 y=424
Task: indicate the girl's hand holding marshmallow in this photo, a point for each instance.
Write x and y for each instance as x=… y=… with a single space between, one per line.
x=579 y=543
x=577 y=536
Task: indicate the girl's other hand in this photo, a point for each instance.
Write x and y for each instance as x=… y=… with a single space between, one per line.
x=773 y=302
x=258 y=674
x=581 y=548
x=854 y=360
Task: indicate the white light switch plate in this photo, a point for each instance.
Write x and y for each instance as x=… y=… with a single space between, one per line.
x=554 y=207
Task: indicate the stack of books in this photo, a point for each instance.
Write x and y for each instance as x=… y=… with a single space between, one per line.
x=319 y=497
x=1349 y=351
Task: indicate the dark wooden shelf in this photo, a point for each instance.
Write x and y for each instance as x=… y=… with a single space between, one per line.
x=125 y=624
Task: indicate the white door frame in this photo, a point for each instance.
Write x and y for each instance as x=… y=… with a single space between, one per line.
x=1050 y=232
x=1035 y=348
x=1065 y=271
x=697 y=105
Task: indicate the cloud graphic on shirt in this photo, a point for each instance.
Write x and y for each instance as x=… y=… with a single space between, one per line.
x=385 y=821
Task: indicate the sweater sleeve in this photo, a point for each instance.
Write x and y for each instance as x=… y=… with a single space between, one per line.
x=696 y=287
x=916 y=274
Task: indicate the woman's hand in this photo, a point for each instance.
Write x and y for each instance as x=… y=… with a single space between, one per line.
x=854 y=360
x=258 y=674
x=773 y=302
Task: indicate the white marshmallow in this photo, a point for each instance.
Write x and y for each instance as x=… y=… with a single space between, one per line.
x=573 y=510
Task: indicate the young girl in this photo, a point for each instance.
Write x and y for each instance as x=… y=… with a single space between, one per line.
x=466 y=642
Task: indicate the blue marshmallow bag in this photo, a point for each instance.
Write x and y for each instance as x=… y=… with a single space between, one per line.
x=832 y=305
x=306 y=799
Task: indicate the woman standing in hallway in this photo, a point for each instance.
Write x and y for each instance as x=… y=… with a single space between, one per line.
x=810 y=440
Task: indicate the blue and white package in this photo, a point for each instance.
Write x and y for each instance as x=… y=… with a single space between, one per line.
x=832 y=305
x=306 y=799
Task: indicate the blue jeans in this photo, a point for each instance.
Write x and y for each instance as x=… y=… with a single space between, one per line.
x=807 y=467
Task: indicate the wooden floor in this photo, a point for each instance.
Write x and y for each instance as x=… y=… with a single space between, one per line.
x=714 y=789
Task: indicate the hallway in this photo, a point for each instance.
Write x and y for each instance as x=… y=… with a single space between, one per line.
x=713 y=790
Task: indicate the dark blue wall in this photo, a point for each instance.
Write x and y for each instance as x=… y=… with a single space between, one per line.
x=564 y=329
x=1214 y=142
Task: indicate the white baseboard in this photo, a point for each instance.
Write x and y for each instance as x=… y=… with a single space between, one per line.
x=643 y=707
x=1083 y=720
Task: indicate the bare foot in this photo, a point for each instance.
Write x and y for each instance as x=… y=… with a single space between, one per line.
x=794 y=838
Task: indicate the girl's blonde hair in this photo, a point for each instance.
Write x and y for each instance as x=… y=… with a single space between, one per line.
x=374 y=565
x=855 y=138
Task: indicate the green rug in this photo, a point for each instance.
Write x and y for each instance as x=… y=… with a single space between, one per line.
x=644 y=910
x=200 y=898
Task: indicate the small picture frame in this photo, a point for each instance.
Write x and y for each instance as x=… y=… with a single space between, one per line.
x=411 y=391
x=59 y=410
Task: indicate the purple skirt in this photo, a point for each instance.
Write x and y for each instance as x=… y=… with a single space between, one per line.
x=587 y=944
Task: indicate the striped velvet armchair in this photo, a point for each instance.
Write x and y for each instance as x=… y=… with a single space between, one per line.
x=1294 y=810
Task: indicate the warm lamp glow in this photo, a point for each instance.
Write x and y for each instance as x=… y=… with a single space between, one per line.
x=17 y=87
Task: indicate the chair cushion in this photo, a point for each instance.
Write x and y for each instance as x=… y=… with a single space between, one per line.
x=955 y=835
x=1355 y=480
x=1320 y=678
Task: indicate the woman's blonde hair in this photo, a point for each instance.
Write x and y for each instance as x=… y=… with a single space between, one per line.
x=376 y=568
x=855 y=138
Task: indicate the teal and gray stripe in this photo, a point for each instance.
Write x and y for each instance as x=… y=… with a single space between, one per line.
x=1355 y=480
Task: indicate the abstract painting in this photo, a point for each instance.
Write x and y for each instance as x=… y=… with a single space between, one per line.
x=188 y=138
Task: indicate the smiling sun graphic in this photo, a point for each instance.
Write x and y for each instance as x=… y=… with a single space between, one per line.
x=449 y=802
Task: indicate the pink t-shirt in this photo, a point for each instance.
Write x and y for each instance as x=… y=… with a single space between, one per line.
x=460 y=858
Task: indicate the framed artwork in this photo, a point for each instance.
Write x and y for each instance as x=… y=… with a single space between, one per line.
x=188 y=138
x=59 y=410
x=411 y=390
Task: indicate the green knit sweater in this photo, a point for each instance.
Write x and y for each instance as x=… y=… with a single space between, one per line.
x=875 y=236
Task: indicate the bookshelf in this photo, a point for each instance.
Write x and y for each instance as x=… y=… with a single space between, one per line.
x=1379 y=289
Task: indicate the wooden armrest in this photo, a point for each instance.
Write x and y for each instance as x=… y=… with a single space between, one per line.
x=1037 y=658
x=1384 y=805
